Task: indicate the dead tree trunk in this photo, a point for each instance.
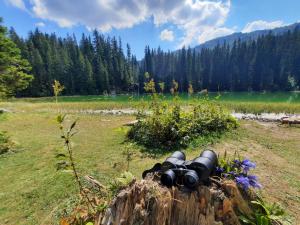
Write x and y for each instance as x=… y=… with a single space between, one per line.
x=290 y=120
x=148 y=203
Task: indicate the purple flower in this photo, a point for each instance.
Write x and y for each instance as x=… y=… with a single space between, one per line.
x=233 y=173
x=243 y=182
x=253 y=181
x=236 y=161
x=247 y=165
x=219 y=169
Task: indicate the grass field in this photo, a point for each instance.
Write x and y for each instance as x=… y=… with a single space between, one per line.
x=277 y=102
x=32 y=190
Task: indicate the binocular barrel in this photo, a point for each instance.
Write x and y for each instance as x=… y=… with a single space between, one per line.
x=189 y=173
x=177 y=159
x=205 y=164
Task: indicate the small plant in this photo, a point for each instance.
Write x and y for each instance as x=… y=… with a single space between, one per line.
x=128 y=154
x=238 y=170
x=174 y=88
x=57 y=89
x=190 y=90
x=66 y=135
x=5 y=143
x=264 y=214
x=161 y=87
x=150 y=86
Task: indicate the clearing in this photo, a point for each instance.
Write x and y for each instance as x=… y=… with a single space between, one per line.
x=32 y=190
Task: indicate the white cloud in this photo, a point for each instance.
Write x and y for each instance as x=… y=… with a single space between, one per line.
x=262 y=25
x=193 y=17
x=214 y=32
x=17 y=3
x=167 y=35
x=40 y=24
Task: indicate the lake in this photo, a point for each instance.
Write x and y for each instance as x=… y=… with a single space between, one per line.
x=268 y=97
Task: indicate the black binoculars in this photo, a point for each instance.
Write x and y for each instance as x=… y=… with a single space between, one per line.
x=175 y=170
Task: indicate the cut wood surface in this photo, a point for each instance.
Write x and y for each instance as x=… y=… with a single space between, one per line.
x=148 y=203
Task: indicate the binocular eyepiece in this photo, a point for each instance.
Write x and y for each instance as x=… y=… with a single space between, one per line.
x=175 y=170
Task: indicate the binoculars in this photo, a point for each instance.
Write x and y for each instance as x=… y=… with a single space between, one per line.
x=175 y=170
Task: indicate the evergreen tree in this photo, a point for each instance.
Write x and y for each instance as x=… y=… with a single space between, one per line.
x=13 y=68
x=98 y=64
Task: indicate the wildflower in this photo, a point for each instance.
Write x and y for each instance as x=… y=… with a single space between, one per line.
x=186 y=138
x=237 y=162
x=243 y=182
x=233 y=173
x=246 y=164
x=174 y=130
x=253 y=181
x=219 y=169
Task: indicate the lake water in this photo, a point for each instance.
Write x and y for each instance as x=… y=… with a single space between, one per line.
x=270 y=97
x=274 y=97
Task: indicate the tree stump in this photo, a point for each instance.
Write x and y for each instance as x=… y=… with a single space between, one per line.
x=148 y=203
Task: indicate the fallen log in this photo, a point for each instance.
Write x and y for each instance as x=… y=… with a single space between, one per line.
x=290 y=120
x=94 y=182
x=2 y=110
x=148 y=203
x=131 y=123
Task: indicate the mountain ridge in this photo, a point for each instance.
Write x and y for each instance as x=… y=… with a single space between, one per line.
x=229 y=39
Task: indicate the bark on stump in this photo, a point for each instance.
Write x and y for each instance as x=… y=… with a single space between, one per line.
x=148 y=203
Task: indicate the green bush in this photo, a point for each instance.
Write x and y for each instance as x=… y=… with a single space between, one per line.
x=5 y=143
x=170 y=127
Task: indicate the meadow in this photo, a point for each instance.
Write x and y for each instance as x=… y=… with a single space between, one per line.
x=246 y=102
x=33 y=191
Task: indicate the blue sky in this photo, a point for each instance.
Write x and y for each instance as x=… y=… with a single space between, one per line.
x=165 y=23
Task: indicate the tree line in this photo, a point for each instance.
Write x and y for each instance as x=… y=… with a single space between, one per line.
x=269 y=63
x=98 y=64
x=94 y=65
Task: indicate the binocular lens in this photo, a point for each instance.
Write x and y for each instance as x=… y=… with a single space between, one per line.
x=191 y=179
x=168 y=178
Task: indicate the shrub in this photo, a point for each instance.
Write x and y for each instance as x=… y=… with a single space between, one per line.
x=170 y=127
x=5 y=143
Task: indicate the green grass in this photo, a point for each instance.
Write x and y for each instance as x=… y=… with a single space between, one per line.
x=31 y=188
x=32 y=191
x=277 y=102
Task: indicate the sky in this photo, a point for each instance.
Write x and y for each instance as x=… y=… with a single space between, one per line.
x=170 y=24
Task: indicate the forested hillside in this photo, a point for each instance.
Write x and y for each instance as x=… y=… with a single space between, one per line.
x=247 y=36
x=271 y=63
x=98 y=64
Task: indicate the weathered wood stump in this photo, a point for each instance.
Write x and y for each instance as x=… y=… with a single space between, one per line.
x=148 y=203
